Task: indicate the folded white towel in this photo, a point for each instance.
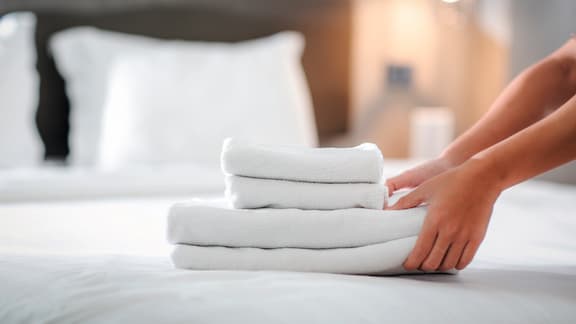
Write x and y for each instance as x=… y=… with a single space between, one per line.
x=243 y=192
x=376 y=259
x=207 y=224
x=349 y=241
x=329 y=165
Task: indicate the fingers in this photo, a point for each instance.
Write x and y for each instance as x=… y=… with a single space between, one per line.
x=422 y=248
x=452 y=256
x=433 y=261
x=444 y=255
x=404 y=180
x=436 y=250
x=413 y=199
x=468 y=254
x=391 y=187
x=439 y=253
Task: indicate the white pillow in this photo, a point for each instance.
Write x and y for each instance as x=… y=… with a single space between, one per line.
x=85 y=56
x=176 y=104
x=20 y=144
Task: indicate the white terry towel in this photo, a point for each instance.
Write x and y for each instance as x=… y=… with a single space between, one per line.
x=329 y=165
x=376 y=259
x=243 y=192
x=353 y=241
x=206 y=223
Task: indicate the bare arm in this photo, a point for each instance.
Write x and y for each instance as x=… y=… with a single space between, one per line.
x=460 y=200
x=541 y=88
x=538 y=90
x=513 y=142
x=543 y=146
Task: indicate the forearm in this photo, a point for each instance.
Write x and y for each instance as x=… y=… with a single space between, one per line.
x=525 y=101
x=545 y=145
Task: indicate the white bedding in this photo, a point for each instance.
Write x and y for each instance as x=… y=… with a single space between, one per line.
x=61 y=183
x=106 y=261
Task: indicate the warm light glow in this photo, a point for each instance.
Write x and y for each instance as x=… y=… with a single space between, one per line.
x=450 y=1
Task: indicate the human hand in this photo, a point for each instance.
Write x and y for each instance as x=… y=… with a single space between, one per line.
x=414 y=177
x=460 y=203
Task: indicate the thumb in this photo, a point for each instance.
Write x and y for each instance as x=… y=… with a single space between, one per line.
x=411 y=200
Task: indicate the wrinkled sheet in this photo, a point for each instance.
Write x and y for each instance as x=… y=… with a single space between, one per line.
x=50 y=183
x=107 y=261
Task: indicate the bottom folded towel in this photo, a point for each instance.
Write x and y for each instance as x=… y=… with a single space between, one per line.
x=375 y=259
x=208 y=236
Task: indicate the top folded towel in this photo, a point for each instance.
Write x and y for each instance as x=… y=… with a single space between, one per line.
x=362 y=163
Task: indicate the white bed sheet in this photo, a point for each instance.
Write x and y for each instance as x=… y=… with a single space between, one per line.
x=77 y=183
x=106 y=261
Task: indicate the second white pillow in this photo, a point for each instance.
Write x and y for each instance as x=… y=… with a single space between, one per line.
x=176 y=104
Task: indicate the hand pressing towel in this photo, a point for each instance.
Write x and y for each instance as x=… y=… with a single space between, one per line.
x=328 y=165
x=376 y=259
x=207 y=224
x=243 y=192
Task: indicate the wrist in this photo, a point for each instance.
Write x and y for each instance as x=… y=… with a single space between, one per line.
x=485 y=172
x=449 y=160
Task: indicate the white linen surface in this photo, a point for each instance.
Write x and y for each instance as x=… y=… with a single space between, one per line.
x=329 y=165
x=107 y=261
x=76 y=183
x=20 y=144
x=245 y=192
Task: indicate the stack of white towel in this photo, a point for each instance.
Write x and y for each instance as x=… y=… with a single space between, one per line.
x=296 y=209
x=260 y=176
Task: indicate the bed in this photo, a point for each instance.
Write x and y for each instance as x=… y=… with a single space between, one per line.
x=86 y=245
x=106 y=261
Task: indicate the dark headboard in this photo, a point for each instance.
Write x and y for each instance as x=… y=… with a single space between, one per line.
x=326 y=25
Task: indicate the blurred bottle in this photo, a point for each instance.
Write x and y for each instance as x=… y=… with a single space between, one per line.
x=388 y=123
x=431 y=131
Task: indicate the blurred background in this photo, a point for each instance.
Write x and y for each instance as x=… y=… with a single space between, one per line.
x=415 y=73
x=459 y=55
